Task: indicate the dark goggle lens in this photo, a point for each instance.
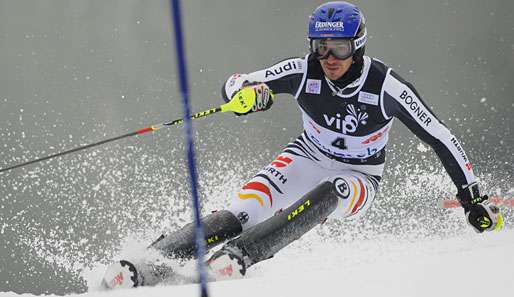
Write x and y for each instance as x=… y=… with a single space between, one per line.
x=339 y=48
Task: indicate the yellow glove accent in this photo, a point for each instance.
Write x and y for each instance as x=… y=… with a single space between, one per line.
x=499 y=223
x=241 y=102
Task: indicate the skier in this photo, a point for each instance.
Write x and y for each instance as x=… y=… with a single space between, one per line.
x=348 y=102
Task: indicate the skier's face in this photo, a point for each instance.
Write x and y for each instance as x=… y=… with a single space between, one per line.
x=335 y=68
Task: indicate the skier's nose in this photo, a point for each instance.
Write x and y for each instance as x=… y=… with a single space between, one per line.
x=331 y=59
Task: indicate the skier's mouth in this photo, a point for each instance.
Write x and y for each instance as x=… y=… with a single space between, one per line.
x=333 y=68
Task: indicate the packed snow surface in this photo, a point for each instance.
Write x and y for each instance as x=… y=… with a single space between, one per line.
x=466 y=265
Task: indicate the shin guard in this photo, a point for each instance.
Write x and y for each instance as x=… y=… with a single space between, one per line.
x=263 y=240
x=218 y=227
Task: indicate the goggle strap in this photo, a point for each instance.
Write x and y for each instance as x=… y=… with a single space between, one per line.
x=359 y=42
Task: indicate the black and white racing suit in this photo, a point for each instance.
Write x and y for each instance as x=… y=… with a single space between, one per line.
x=346 y=131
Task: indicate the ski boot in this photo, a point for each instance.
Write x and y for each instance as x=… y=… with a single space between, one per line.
x=124 y=274
x=230 y=262
x=179 y=245
x=121 y=274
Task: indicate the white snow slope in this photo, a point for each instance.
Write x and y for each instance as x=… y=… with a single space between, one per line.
x=467 y=265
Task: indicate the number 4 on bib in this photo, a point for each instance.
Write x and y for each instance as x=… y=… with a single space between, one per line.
x=339 y=143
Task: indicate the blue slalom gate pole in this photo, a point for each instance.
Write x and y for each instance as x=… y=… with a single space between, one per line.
x=184 y=91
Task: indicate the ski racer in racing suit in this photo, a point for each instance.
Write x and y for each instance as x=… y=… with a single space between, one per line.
x=348 y=102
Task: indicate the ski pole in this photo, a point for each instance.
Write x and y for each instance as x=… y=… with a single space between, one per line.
x=499 y=201
x=240 y=104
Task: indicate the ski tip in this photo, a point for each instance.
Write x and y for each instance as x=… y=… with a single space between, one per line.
x=119 y=275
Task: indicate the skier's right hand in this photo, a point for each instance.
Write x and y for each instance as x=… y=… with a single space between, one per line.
x=263 y=97
x=237 y=82
x=480 y=214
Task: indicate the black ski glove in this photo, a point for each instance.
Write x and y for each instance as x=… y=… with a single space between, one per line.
x=480 y=214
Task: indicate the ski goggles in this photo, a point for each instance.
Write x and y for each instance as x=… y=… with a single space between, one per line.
x=341 y=49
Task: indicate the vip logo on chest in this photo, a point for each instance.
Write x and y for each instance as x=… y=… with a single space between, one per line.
x=350 y=122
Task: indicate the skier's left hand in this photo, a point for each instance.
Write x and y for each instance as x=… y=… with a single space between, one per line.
x=480 y=214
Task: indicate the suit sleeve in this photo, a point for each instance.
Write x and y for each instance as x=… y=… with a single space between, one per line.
x=282 y=77
x=401 y=100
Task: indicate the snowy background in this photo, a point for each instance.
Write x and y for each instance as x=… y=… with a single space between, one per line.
x=75 y=72
x=382 y=266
